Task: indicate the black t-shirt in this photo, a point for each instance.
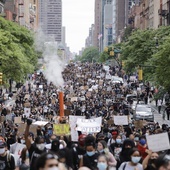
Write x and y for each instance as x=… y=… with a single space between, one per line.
x=7 y=163
x=90 y=161
x=150 y=167
x=34 y=153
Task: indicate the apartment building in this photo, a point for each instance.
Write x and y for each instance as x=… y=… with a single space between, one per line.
x=50 y=18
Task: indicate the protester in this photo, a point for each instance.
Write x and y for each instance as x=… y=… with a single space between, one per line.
x=102 y=163
x=102 y=149
x=7 y=161
x=134 y=162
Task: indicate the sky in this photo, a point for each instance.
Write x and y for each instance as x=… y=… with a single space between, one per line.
x=78 y=15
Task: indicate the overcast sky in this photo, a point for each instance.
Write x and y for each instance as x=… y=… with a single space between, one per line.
x=78 y=15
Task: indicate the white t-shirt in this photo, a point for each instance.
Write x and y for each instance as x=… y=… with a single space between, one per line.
x=128 y=166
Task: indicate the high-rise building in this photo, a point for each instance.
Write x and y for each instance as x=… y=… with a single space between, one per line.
x=50 y=18
x=97 y=33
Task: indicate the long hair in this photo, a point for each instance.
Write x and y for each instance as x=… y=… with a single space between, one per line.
x=23 y=155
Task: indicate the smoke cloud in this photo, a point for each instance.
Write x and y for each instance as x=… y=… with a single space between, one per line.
x=53 y=64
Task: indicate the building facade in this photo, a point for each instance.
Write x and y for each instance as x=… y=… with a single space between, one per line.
x=50 y=18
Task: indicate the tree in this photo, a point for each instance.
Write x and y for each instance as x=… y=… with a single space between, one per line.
x=90 y=54
x=17 y=53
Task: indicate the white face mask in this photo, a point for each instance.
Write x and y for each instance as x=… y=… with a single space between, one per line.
x=53 y=168
x=40 y=146
x=2 y=150
x=22 y=141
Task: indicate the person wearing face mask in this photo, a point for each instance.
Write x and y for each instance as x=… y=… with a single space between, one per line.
x=127 y=146
x=149 y=163
x=90 y=158
x=102 y=149
x=7 y=161
x=35 y=149
x=102 y=163
x=133 y=164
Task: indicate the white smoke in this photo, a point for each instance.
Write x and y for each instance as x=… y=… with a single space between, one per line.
x=53 y=64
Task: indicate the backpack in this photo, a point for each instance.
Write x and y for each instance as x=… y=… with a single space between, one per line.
x=9 y=159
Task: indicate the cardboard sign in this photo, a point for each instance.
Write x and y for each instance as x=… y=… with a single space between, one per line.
x=140 y=123
x=67 y=112
x=158 y=142
x=27 y=112
x=17 y=120
x=2 y=118
x=120 y=120
x=72 y=122
x=61 y=129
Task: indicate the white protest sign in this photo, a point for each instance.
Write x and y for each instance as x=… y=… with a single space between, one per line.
x=40 y=86
x=158 y=142
x=40 y=123
x=73 y=99
x=82 y=98
x=89 y=125
x=120 y=120
x=72 y=122
x=18 y=147
x=27 y=112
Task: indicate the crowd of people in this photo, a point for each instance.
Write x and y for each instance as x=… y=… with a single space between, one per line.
x=90 y=91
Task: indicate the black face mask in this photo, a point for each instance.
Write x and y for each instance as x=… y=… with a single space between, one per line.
x=152 y=161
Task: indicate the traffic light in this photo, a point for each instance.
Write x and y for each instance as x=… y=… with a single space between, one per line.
x=112 y=53
x=1 y=78
x=140 y=74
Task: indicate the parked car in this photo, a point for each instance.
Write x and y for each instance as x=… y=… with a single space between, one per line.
x=143 y=112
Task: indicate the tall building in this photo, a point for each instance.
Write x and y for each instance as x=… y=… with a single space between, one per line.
x=50 y=18
x=107 y=25
x=90 y=39
x=97 y=20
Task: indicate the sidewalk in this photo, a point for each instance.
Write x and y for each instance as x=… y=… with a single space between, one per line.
x=158 y=117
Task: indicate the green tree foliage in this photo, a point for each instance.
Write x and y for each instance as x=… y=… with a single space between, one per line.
x=17 y=53
x=151 y=50
x=90 y=54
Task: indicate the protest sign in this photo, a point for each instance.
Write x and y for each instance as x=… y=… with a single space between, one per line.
x=73 y=99
x=2 y=118
x=67 y=112
x=61 y=129
x=100 y=82
x=89 y=125
x=27 y=112
x=120 y=120
x=16 y=150
x=140 y=123
x=158 y=142
x=17 y=120
x=88 y=94
x=40 y=123
x=72 y=122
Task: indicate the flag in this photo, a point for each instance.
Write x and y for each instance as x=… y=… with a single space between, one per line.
x=99 y=36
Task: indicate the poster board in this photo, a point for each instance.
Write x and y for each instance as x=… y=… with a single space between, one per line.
x=61 y=129
x=158 y=142
x=89 y=125
x=22 y=126
x=120 y=120
x=72 y=122
x=67 y=112
x=27 y=112
x=73 y=99
x=140 y=123
x=17 y=120
x=40 y=123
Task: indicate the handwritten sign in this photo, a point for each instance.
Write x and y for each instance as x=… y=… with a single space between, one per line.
x=120 y=120
x=40 y=123
x=158 y=142
x=89 y=125
x=27 y=112
x=61 y=129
